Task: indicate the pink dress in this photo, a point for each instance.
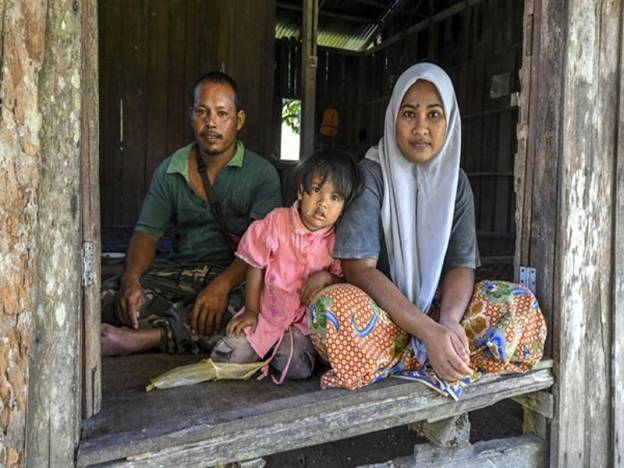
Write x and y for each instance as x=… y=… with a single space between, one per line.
x=289 y=253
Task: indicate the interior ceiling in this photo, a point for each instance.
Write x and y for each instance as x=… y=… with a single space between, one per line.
x=355 y=24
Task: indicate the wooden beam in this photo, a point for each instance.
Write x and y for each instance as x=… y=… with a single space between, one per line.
x=327 y=14
x=539 y=402
x=345 y=414
x=309 y=61
x=424 y=24
x=453 y=432
x=372 y=3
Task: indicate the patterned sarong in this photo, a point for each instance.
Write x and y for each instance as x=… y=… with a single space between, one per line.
x=503 y=322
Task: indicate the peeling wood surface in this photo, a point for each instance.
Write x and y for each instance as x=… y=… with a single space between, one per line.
x=583 y=427
x=22 y=41
x=54 y=385
x=218 y=422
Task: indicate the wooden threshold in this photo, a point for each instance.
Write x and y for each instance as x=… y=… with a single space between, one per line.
x=219 y=422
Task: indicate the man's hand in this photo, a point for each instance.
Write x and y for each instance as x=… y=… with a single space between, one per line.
x=209 y=307
x=237 y=325
x=314 y=284
x=130 y=299
x=442 y=345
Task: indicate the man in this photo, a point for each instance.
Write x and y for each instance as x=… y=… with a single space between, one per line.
x=179 y=304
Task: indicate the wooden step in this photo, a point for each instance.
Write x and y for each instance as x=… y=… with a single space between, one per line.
x=219 y=422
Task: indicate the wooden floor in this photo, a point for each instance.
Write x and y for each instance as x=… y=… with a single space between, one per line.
x=235 y=420
x=128 y=409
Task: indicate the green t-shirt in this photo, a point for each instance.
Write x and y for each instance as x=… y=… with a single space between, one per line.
x=248 y=188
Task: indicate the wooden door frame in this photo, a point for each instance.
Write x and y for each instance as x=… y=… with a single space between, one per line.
x=91 y=246
x=570 y=184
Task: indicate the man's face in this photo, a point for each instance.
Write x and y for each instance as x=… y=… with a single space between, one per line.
x=214 y=118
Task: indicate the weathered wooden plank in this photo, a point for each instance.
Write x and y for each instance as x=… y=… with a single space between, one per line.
x=177 y=102
x=111 y=113
x=91 y=359
x=545 y=127
x=156 y=87
x=192 y=43
x=54 y=382
x=279 y=425
x=617 y=378
x=523 y=179
x=133 y=91
x=592 y=81
x=516 y=452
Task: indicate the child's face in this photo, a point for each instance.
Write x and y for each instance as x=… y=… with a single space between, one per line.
x=321 y=207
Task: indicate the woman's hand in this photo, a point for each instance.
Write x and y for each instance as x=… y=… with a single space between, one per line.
x=315 y=283
x=442 y=344
x=237 y=325
x=460 y=340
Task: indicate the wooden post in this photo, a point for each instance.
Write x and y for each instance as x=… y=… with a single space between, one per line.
x=90 y=171
x=449 y=433
x=53 y=418
x=617 y=378
x=308 y=76
x=587 y=242
x=22 y=42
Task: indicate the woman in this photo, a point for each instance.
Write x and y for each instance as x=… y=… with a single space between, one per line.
x=408 y=236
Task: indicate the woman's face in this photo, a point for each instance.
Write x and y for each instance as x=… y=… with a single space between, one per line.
x=421 y=123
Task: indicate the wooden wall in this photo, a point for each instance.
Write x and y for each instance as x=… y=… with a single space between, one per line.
x=480 y=46
x=151 y=53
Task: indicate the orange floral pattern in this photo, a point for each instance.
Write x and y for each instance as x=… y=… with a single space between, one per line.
x=358 y=339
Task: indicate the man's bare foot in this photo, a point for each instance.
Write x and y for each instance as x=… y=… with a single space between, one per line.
x=122 y=340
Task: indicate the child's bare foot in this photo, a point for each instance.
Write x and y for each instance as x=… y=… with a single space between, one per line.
x=122 y=340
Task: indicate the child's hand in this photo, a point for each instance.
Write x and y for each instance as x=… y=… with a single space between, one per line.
x=315 y=283
x=249 y=318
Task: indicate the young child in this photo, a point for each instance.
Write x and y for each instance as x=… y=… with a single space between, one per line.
x=289 y=254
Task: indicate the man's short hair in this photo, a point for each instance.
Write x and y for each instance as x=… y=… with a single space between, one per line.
x=217 y=77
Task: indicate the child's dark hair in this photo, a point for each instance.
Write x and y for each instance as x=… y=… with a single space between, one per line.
x=334 y=165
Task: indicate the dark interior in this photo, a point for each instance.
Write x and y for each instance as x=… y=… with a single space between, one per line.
x=152 y=51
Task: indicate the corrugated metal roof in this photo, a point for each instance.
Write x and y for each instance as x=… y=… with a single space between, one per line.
x=331 y=33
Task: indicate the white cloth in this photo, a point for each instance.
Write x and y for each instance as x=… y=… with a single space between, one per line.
x=419 y=199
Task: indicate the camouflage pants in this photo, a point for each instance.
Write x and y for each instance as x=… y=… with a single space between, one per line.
x=169 y=296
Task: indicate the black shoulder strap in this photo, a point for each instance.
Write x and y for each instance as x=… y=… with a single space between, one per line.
x=213 y=200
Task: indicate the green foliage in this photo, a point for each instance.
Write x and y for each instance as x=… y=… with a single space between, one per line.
x=291 y=114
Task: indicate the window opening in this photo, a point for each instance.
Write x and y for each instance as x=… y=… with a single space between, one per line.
x=291 y=129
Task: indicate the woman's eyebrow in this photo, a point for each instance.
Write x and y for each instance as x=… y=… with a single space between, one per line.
x=412 y=106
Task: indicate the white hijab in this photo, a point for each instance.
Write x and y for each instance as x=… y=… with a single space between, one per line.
x=419 y=199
